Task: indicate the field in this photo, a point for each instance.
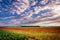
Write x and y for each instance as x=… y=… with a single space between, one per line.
x=6 y=35
x=35 y=33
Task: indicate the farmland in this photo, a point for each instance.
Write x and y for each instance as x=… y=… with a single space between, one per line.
x=6 y=35
x=36 y=33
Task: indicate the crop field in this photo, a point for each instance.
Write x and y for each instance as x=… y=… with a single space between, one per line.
x=30 y=33
x=6 y=35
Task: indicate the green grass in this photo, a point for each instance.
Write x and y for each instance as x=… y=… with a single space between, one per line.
x=6 y=35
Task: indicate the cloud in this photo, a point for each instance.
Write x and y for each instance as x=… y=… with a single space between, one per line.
x=19 y=6
x=0 y=0
x=47 y=15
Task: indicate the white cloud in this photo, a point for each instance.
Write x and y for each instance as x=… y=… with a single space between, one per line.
x=0 y=0
x=20 y=6
x=42 y=20
x=43 y=2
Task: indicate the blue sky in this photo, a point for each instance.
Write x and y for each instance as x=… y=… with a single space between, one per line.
x=12 y=12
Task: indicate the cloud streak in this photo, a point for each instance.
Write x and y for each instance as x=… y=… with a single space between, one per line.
x=46 y=15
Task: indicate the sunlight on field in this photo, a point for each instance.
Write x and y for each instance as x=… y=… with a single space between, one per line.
x=37 y=34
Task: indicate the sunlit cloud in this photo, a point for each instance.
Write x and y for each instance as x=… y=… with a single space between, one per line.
x=45 y=12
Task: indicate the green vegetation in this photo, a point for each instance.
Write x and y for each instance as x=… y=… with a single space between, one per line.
x=30 y=26
x=6 y=35
x=17 y=26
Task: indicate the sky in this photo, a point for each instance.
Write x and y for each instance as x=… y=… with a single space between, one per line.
x=30 y=12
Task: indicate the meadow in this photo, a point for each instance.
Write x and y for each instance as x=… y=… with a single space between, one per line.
x=30 y=33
